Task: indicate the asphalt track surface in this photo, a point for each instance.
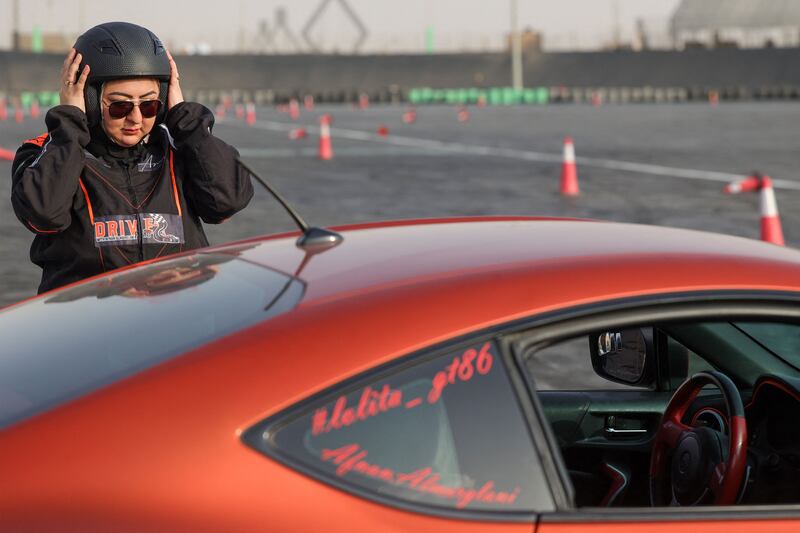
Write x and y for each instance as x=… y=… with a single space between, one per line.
x=651 y=164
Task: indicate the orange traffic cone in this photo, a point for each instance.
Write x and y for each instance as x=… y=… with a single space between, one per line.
x=298 y=133
x=325 y=147
x=569 y=171
x=383 y=131
x=463 y=114
x=220 y=111
x=251 y=113
x=6 y=155
x=239 y=110
x=19 y=116
x=771 y=230
x=749 y=184
x=308 y=102
x=363 y=101
x=3 y=110
x=35 y=108
x=294 y=109
x=410 y=116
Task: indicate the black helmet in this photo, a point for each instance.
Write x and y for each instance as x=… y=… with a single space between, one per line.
x=117 y=50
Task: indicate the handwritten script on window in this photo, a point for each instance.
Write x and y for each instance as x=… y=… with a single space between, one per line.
x=375 y=401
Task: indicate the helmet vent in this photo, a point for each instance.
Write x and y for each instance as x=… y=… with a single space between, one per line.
x=107 y=46
x=159 y=48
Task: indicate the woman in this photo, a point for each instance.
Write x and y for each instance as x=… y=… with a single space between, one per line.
x=127 y=169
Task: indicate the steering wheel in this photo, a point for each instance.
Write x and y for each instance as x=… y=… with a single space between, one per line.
x=688 y=463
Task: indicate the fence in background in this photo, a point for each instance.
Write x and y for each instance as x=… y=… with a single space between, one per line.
x=725 y=74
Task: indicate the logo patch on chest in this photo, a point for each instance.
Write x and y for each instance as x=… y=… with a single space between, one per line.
x=150 y=228
x=148 y=164
x=161 y=228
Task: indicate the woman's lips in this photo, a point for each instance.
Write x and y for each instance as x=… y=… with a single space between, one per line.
x=130 y=131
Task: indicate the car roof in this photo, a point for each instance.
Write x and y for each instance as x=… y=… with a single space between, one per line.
x=393 y=288
x=377 y=256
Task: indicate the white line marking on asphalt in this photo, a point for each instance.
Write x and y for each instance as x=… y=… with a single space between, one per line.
x=526 y=155
x=350 y=151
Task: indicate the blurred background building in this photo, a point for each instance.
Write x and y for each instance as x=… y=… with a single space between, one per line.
x=736 y=23
x=347 y=26
x=417 y=26
x=570 y=50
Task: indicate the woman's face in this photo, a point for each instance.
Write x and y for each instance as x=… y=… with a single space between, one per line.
x=128 y=130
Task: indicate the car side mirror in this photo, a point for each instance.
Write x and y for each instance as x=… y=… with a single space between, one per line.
x=624 y=356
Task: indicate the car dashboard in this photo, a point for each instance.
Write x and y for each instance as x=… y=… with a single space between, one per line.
x=773 y=428
x=772 y=411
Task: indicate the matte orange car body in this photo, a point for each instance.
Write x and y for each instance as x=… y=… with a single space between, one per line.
x=162 y=450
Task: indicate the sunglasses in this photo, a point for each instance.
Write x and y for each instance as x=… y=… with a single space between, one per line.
x=122 y=108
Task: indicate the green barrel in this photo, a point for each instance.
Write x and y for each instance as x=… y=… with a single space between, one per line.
x=542 y=95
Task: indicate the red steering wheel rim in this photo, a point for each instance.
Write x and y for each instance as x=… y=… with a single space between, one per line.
x=726 y=478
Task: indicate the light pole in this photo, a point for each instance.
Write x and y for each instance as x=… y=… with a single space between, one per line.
x=516 y=49
x=15 y=37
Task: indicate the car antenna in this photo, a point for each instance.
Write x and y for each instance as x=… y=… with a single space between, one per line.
x=313 y=238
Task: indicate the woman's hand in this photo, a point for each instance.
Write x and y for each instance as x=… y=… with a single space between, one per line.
x=174 y=93
x=72 y=84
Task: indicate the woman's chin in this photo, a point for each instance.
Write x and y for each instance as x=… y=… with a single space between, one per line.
x=128 y=139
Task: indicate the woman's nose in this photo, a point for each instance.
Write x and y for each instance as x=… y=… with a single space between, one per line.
x=135 y=115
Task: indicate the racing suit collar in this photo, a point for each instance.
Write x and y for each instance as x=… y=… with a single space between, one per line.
x=102 y=147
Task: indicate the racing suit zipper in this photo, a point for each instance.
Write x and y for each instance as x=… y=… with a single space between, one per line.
x=135 y=200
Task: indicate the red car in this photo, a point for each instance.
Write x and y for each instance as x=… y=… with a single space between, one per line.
x=500 y=374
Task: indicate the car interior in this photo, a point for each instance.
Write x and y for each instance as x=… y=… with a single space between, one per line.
x=675 y=413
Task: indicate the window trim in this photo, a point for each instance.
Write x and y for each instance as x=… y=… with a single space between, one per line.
x=541 y=432
x=255 y=436
x=645 y=515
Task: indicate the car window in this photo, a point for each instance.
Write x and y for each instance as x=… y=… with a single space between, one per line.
x=606 y=437
x=696 y=364
x=566 y=365
x=87 y=336
x=781 y=339
x=683 y=363
x=446 y=433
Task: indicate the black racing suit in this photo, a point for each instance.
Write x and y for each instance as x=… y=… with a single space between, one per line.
x=96 y=206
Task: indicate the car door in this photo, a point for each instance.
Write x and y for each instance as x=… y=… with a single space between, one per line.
x=603 y=432
x=605 y=429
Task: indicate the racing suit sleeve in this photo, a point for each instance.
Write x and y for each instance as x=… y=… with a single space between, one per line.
x=45 y=171
x=214 y=183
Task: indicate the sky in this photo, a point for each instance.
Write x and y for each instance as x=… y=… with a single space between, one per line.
x=393 y=26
